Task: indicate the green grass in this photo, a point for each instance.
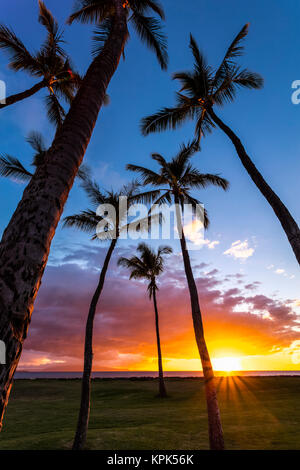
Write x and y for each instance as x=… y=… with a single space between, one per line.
x=257 y=413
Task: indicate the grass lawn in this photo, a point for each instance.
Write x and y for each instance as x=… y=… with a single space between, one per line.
x=257 y=413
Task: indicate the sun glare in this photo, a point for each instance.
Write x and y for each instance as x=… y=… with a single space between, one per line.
x=227 y=364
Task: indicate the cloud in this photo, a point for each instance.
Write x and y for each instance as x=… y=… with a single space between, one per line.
x=213 y=244
x=194 y=232
x=253 y=285
x=239 y=250
x=280 y=271
x=124 y=334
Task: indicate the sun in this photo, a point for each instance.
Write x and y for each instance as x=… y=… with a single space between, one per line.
x=227 y=364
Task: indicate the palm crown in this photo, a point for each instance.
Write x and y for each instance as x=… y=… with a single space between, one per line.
x=50 y=62
x=148 y=266
x=88 y=220
x=178 y=177
x=204 y=87
x=147 y=27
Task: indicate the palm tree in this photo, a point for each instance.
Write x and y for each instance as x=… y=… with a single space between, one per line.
x=25 y=244
x=204 y=88
x=114 y=225
x=175 y=180
x=50 y=63
x=148 y=266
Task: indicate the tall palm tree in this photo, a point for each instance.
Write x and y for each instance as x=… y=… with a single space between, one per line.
x=175 y=180
x=25 y=244
x=149 y=265
x=202 y=90
x=51 y=64
x=114 y=226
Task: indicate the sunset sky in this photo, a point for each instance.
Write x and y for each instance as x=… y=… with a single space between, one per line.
x=247 y=275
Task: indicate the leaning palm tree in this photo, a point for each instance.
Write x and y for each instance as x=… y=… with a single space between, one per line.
x=51 y=64
x=202 y=90
x=24 y=257
x=175 y=180
x=113 y=225
x=149 y=265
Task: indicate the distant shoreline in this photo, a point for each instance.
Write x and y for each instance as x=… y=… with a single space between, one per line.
x=148 y=375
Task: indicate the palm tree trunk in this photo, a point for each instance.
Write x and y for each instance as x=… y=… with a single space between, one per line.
x=22 y=96
x=162 y=387
x=84 y=412
x=25 y=244
x=288 y=223
x=215 y=430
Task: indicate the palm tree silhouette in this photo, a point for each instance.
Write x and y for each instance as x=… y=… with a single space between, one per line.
x=175 y=180
x=50 y=63
x=113 y=227
x=202 y=89
x=148 y=265
x=103 y=12
x=42 y=204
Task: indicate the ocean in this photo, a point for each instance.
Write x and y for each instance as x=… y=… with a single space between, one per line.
x=149 y=374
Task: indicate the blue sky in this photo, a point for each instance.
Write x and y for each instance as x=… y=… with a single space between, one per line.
x=266 y=121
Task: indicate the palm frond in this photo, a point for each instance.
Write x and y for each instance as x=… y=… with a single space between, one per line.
x=11 y=167
x=146 y=197
x=86 y=221
x=166 y=118
x=101 y=35
x=247 y=79
x=84 y=172
x=148 y=176
x=143 y=6
x=55 y=111
x=93 y=191
x=196 y=205
x=165 y=198
x=91 y=11
x=187 y=81
x=36 y=141
x=197 y=180
x=235 y=79
x=20 y=57
x=186 y=151
x=200 y=67
x=164 y=250
x=149 y=30
x=134 y=264
x=235 y=50
x=55 y=37
x=161 y=161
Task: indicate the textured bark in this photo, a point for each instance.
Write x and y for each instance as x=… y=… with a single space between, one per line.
x=85 y=403
x=162 y=387
x=288 y=223
x=215 y=430
x=22 y=96
x=25 y=244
